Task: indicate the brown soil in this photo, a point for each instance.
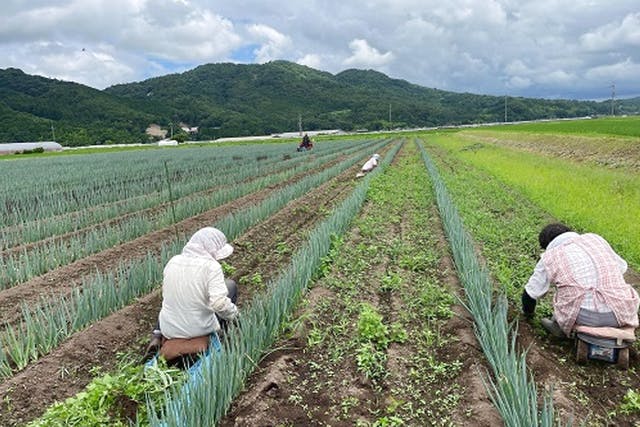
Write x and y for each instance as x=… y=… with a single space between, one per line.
x=67 y=369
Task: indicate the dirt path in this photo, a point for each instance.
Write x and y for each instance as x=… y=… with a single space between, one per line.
x=394 y=259
x=67 y=370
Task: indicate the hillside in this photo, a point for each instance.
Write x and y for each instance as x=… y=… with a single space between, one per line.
x=238 y=99
x=233 y=99
x=35 y=108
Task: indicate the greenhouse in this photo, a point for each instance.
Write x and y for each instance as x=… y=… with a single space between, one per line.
x=21 y=147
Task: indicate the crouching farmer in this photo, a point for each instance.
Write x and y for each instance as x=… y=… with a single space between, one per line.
x=196 y=298
x=590 y=286
x=369 y=165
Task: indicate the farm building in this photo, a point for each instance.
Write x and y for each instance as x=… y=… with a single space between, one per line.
x=19 y=147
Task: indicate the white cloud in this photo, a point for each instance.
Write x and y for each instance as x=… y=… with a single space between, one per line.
x=311 y=60
x=366 y=56
x=614 y=34
x=273 y=44
x=621 y=71
x=517 y=67
x=542 y=48
x=517 y=82
x=198 y=35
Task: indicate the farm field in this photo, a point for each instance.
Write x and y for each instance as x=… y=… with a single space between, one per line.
x=70 y=365
x=360 y=298
x=380 y=339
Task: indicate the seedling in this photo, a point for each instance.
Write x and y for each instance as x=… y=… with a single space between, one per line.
x=227 y=269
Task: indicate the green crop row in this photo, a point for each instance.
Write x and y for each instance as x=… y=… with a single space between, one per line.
x=511 y=388
x=72 y=183
x=183 y=184
x=28 y=340
x=204 y=399
x=16 y=269
x=257 y=326
x=505 y=225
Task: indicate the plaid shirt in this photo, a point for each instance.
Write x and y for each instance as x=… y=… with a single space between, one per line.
x=585 y=265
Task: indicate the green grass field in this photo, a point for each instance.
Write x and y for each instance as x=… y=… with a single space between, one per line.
x=624 y=126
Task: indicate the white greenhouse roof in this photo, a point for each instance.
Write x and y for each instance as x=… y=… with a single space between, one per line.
x=14 y=147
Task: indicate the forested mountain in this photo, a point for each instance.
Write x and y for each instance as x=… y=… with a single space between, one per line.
x=34 y=108
x=238 y=99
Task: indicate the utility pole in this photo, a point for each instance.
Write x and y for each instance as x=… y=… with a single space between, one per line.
x=300 y=124
x=389 y=116
x=613 y=98
x=505 y=108
x=53 y=133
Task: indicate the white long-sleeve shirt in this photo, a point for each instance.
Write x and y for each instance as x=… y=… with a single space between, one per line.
x=370 y=164
x=538 y=284
x=193 y=291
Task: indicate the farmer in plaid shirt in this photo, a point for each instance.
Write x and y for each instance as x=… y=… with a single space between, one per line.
x=590 y=286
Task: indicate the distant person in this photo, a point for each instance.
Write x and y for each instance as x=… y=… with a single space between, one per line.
x=305 y=144
x=590 y=286
x=369 y=165
x=196 y=298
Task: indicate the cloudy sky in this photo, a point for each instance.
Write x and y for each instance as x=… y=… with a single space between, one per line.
x=573 y=49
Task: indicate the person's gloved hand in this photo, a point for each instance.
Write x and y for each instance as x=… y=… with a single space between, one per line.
x=528 y=306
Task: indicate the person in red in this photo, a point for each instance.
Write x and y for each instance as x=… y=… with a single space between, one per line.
x=306 y=143
x=589 y=279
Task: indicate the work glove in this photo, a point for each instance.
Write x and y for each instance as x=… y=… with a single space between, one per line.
x=528 y=306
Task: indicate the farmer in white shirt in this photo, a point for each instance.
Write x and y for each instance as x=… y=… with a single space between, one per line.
x=590 y=286
x=369 y=165
x=196 y=298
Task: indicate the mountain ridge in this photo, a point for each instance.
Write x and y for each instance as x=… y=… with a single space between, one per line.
x=227 y=99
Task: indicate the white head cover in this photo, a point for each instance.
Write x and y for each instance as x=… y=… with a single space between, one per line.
x=376 y=156
x=208 y=242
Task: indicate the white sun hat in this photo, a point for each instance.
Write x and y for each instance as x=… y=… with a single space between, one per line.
x=208 y=242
